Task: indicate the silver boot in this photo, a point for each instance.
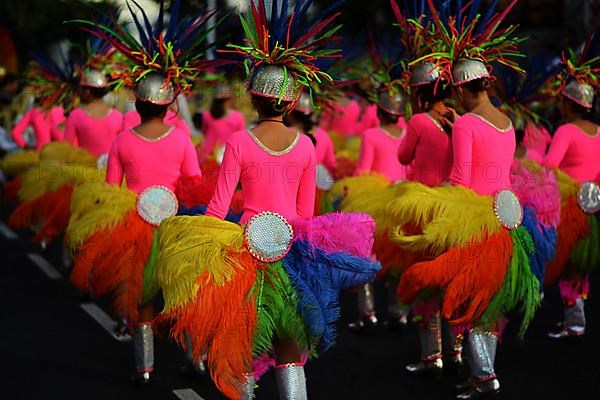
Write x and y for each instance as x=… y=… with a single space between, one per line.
x=452 y=345
x=291 y=382
x=481 y=355
x=143 y=352
x=431 y=348
x=366 y=309
x=248 y=387
x=197 y=367
x=574 y=324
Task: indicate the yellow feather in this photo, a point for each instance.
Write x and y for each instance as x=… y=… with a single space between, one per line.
x=355 y=186
x=448 y=215
x=567 y=186
x=191 y=247
x=15 y=164
x=66 y=152
x=96 y=206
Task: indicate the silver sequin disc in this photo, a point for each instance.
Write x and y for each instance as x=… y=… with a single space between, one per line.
x=268 y=236
x=156 y=203
x=324 y=179
x=508 y=209
x=589 y=197
x=102 y=161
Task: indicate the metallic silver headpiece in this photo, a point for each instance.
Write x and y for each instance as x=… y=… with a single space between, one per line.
x=94 y=78
x=467 y=70
x=154 y=89
x=394 y=104
x=580 y=93
x=271 y=82
x=304 y=105
x=223 y=91
x=424 y=73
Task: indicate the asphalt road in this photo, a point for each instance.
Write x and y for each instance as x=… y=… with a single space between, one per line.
x=52 y=348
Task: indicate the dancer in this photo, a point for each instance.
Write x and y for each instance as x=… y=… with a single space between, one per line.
x=242 y=292
x=152 y=158
x=574 y=150
x=219 y=123
x=44 y=123
x=482 y=267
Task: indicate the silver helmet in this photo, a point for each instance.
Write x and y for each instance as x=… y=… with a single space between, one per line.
x=304 y=104
x=467 y=70
x=94 y=78
x=154 y=89
x=580 y=93
x=424 y=73
x=271 y=81
x=393 y=103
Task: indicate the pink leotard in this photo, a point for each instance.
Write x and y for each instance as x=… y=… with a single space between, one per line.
x=42 y=123
x=324 y=150
x=93 y=134
x=379 y=154
x=144 y=162
x=429 y=148
x=342 y=120
x=218 y=131
x=402 y=123
x=132 y=119
x=536 y=141
x=367 y=120
x=483 y=155
x=575 y=152
x=282 y=182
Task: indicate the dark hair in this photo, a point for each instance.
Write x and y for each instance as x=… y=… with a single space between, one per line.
x=8 y=79
x=578 y=108
x=94 y=92
x=197 y=119
x=149 y=110
x=306 y=120
x=385 y=118
x=430 y=94
x=478 y=85
x=519 y=135
x=217 y=108
x=268 y=107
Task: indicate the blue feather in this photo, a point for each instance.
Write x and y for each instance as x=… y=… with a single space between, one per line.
x=172 y=28
x=201 y=210
x=544 y=240
x=148 y=26
x=482 y=22
x=318 y=278
x=142 y=33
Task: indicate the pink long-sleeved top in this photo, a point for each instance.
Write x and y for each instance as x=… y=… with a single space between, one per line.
x=367 y=120
x=428 y=147
x=379 y=154
x=131 y=119
x=93 y=134
x=536 y=141
x=483 y=154
x=342 y=119
x=324 y=150
x=278 y=181
x=145 y=162
x=44 y=126
x=575 y=152
x=217 y=131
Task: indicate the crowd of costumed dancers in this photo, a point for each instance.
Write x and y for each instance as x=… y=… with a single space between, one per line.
x=428 y=158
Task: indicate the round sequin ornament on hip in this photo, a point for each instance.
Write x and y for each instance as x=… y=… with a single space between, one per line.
x=324 y=179
x=508 y=209
x=268 y=236
x=102 y=161
x=589 y=197
x=156 y=203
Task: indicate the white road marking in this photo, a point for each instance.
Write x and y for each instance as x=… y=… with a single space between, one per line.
x=45 y=266
x=104 y=320
x=7 y=232
x=187 y=394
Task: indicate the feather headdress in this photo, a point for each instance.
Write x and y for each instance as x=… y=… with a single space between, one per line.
x=282 y=50
x=53 y=81
x=469 y=40
x=173 y=48
x=580 y=77
x=520 y=92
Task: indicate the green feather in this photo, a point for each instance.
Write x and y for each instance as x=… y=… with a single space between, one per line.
x=150 y=287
